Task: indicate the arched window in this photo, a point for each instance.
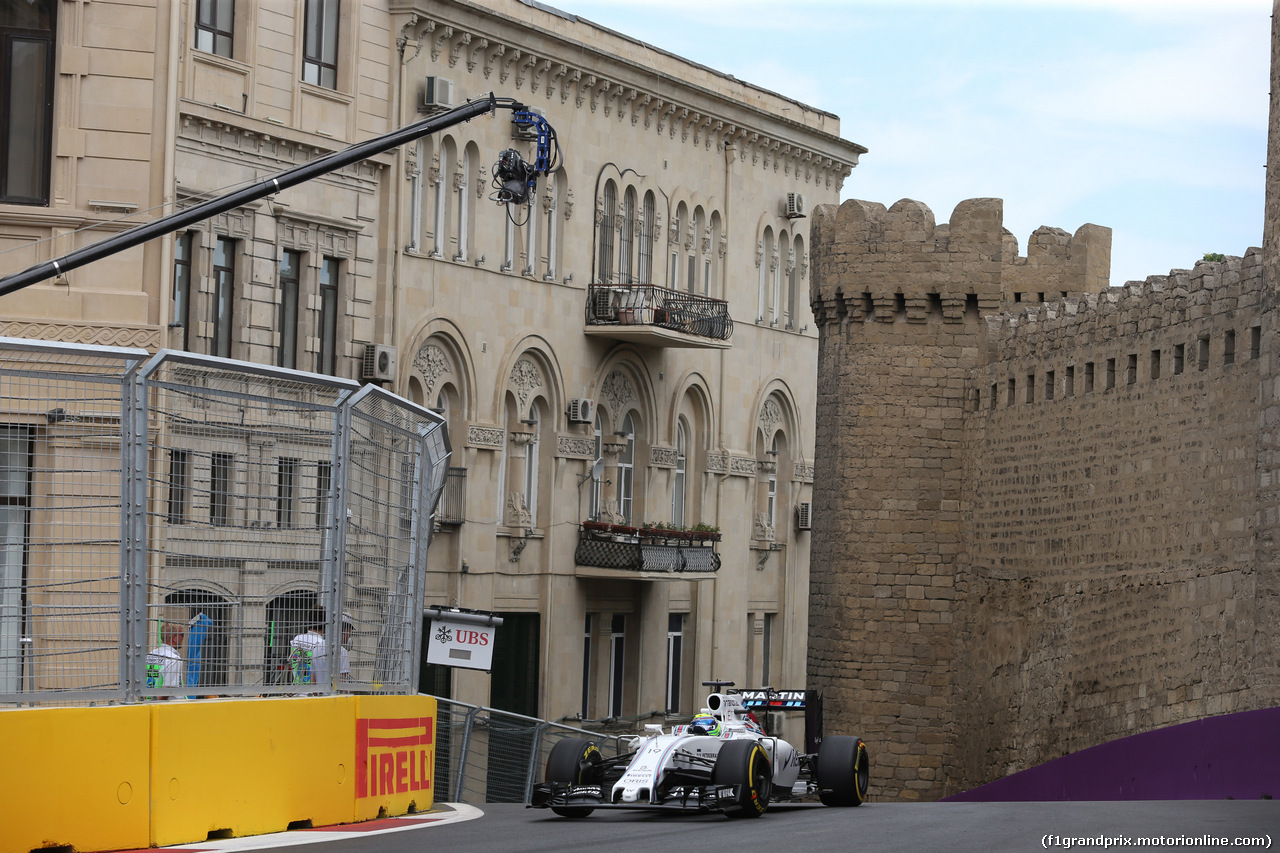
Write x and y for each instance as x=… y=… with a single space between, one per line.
x=766 y=252
x=772 y=487
x=626 y=468
x=775 y=277
x=678 y=485
x=697 y=280
x=531 y=216
x=626 y=236
x=594 y=509
x=439 y=221
x=462 y=186
x=416 y=195
x=555 y=203
x=531 y=452
x=604 y=253
x=677 y=237
x=793 y=278
x=712 y=261
x=647 y=229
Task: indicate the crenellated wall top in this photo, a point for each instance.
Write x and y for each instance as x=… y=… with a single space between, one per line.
x=863 y=251
x=1210 y=288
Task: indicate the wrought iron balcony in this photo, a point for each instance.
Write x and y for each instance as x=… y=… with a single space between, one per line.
x=656 y=316
x=655 y=554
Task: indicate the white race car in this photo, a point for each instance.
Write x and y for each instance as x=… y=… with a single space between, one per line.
x=722 y=761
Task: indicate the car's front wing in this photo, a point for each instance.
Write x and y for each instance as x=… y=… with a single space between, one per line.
x=696 y=798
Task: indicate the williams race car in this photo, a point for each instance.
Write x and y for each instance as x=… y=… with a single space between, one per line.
x=722 y=761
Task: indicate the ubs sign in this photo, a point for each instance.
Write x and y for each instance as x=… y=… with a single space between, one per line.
x=456 y=643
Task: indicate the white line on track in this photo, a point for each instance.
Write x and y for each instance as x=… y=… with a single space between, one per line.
x=442 y=814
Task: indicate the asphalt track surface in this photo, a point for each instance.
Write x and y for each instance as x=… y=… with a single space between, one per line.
x=1176 y=825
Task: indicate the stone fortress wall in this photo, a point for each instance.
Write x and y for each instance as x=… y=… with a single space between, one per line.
x=1043 y=506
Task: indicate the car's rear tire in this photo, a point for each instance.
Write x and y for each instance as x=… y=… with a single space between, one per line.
x=572 y=760
x=745 y=763
x=843 y=771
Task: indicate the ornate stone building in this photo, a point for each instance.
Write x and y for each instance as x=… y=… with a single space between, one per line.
x=645 y=309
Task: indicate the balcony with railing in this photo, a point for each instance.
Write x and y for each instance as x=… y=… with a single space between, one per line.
x=612 y=550
x=658 y=317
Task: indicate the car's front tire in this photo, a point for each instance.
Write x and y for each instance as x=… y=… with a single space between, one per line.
x=843 y=771
x=572 y=761
x=745 y=763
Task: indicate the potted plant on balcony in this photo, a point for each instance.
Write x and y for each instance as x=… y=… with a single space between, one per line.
x=597 y=528
x=705 y=532
x=656 y=530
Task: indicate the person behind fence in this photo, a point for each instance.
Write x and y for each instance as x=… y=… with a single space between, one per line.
x=344 y=656
x=165 y=666
x=308 y=659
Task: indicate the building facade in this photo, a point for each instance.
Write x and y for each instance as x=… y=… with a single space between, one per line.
x=631 y=347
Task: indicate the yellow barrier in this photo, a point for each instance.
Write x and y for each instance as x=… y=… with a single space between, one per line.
x=74 y=776
x=176 y=772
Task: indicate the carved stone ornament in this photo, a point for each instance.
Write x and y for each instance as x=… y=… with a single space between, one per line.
x=517 y=514
x=617 y=393
x=742 y=466
x=610 y=513
x=763 y=529
x=770 y=415
x=575 y=447
x=663 y=457
x=430 y=363
x=718 y=463
x=488 y=438
x=767 y=466
x=802 y=471
x=525 y=378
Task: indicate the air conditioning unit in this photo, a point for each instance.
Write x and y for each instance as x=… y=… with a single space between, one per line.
x=582 y=411
x=795 y=206
x=804 y=516
x=437 y=95
x=379 y=363
x=602 y=304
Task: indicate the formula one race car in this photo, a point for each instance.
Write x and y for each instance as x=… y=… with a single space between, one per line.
x=722 y=761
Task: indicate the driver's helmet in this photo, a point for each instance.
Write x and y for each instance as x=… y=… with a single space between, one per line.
x=707 y=723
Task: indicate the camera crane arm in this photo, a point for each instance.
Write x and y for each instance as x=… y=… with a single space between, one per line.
x=290 y=177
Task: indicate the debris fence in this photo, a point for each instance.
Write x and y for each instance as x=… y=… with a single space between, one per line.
x=183 y=525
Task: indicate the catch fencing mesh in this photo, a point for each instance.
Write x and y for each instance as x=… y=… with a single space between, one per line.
x=182 y=525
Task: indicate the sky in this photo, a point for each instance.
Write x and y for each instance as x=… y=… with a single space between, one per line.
x=1145 y=116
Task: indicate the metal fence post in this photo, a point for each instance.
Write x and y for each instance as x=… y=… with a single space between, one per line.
x=335 y=557
x=533 y=759
x=463 y=754
x=134 y=465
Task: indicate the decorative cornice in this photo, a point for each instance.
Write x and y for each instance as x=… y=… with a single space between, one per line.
x=144 y=337
x=575 y=447
x=663 y=457
x=742 y=466
x=628 y=98
x=486 y=437
x=717 y=463
x=803 y=471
